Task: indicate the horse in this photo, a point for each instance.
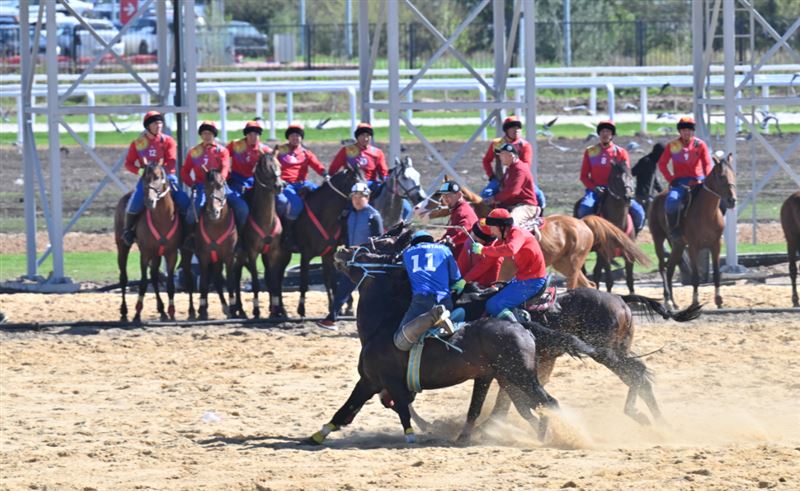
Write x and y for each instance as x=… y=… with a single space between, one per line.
x=317 y=231
x=216 y=239
x=790 y=221
x=614 y=208
x=402 y=183
x=262 y=231
x=157 y=236
x=701 y=228
x=484 y=350
x=566 y=241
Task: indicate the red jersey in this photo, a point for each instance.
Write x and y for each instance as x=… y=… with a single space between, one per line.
x=524 y=150
x=597 y=162
x=244 y=158
x=296 y=161
x=692 y=160
x=370 y=159
x=148 y=148
x=517 y=186
x=203 y=158
x=479 y=269
x=464 y=216
x=523 y=247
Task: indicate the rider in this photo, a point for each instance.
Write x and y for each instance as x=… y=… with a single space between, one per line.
x=244 y=157
x=361 y=153
x=512 y=133
x=518 y=194
x=295 y=159
x=151 y=146
x=362 y=222
x=202 y=158
x=462 y=216
x=520 y=244
x=691 y=163
x=482 y=270
x=597 y=162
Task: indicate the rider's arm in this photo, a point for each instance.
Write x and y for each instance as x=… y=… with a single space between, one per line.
x=623 y=155
x=488 y=161
x=509 y=247
x=514 y=182
x=705 y=159
x=338 y=161
x=186 y=171
x=375 y=224
x=662 y=164
x=170 y=155
x=526 y=153
x=132 y=159
x=485 y=265
x=314 y=163
x=225 y=163
x=585 y=167
x=381 y=168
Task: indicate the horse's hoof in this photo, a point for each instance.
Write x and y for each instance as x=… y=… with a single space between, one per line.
x=226 y=311
x=463 y=440
x=718 y=302
x=192 y=316
x=164 y=317
x=137 y=321
x=256 y=314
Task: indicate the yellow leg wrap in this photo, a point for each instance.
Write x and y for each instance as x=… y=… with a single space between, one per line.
x=410 y=436
x=320 y=436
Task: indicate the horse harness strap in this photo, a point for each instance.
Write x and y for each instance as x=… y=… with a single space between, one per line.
x=266 y=239
x=162 y=239
x=331 y=241
x=214 y=244
x=413 y=379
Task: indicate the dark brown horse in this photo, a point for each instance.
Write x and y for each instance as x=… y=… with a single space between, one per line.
x=158 y=235
x=262 y=231
x=215 y=238
x=702 y=226
x=317 y=232
x=790 y=220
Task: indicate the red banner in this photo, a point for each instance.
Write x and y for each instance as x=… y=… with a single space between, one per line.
x=126 y=10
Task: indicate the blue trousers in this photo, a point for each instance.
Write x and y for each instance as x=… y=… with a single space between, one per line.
x=494 y=187
x=513 y=295
x=341 y=291
x=235 y=201
x=289 y=204
x=239 y=184
x=423 y=303
x=181 y=199
x=676 y=193
x=589 y=202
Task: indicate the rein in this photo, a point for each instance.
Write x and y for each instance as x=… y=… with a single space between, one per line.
x=329 y=183
x=161 y=238
x=214 y=244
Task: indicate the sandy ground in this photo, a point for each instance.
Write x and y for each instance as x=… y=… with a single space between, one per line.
x=124 y=409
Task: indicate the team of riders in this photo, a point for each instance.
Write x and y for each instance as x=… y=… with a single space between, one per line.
x=477 y=248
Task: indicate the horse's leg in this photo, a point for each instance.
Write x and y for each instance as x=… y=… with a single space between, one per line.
x=252 y=267
x=172 y=259
x=218 y=277
x=362 y=392
x=479 y=391
x=154 y=274
x=230 y=284
x=327 y=273
x=693 y=257
x=275 y=282
x=143 y=263
x=609 y=277
x=629 y=276
x=715 y=272
x=122 y=263
x=301 y=305
x=793 y=273
x=203 y=310
x=674 y=258
x=188 y=280
x=598 y=269
x=525 y=400
x=402 y=398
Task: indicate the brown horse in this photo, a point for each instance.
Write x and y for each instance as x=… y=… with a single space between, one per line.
x=566 y=241
x=157 y=235
x=216 y=238
x=701 y=228
x=790 y=220
x=263 y=229
x=620 y=241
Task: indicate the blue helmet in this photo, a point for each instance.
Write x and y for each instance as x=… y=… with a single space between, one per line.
x=421 y=236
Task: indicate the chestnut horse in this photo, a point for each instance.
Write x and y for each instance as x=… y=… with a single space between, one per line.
x=702 y=226
x=216 y=238
x=790 y=220
x=262 y=231
x=158 y=235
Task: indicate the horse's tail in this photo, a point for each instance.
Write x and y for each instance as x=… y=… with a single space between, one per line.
x=547 y=338
x=608 y=239
x=652 y=306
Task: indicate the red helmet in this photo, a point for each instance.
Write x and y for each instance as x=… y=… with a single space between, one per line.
x=607 y=124
x=499 y=217
x=482 y=231
x=686 y=122
x=152 y=117
x=253 y=127
x=511 y=122
x=295 y=128
x=208 y=126
x=364 y=128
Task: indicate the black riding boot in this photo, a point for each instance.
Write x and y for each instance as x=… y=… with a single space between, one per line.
x=129 y=231
x=673 y=222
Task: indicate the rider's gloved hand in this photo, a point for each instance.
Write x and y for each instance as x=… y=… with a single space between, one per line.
x=477 y=248
x=141 y=171
x=458 y=286
x=600 y=189
x=325 y=175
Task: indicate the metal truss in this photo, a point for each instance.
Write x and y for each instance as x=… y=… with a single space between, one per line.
x=738 y=94
x=56 y=110
x=496 y=87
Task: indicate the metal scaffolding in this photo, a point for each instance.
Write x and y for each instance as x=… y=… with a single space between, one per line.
x=165 y=94
x=738 y=93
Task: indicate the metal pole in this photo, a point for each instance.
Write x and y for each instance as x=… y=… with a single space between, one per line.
x=54 y=151
x=363 y=57
x=729 y=48
x=303 y=31
x=567 y=35
x=163 y=53
x=178 y=95
x=643 y=110
x=272 y=115
x=28 y=147
x=190 y=65
x=393 y=53
x=348 y=27
x=529 y=27
x=499 y=27
x=90 y=101
x=698 y=27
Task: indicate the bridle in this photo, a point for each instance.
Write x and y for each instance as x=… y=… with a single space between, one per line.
x=406 y=192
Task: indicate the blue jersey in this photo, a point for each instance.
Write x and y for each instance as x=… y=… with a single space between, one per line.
x=431 y=269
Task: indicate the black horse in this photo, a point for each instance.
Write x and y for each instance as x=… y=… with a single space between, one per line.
x=489 y=349
x=317 y=233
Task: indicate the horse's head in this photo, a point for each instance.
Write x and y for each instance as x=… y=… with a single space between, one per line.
x=267 y=173
x=343 y=180
x=620 y=182
x=404 y=180
x=154 y=181
x=215 y=194
x=722 y=179
x=374 y=255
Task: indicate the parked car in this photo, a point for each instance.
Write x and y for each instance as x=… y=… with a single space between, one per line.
x=142 y=37
x=76 y=41
x=246 y=39
x=11 y=44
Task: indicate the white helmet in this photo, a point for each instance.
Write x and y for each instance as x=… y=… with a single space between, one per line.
x=360 y=187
